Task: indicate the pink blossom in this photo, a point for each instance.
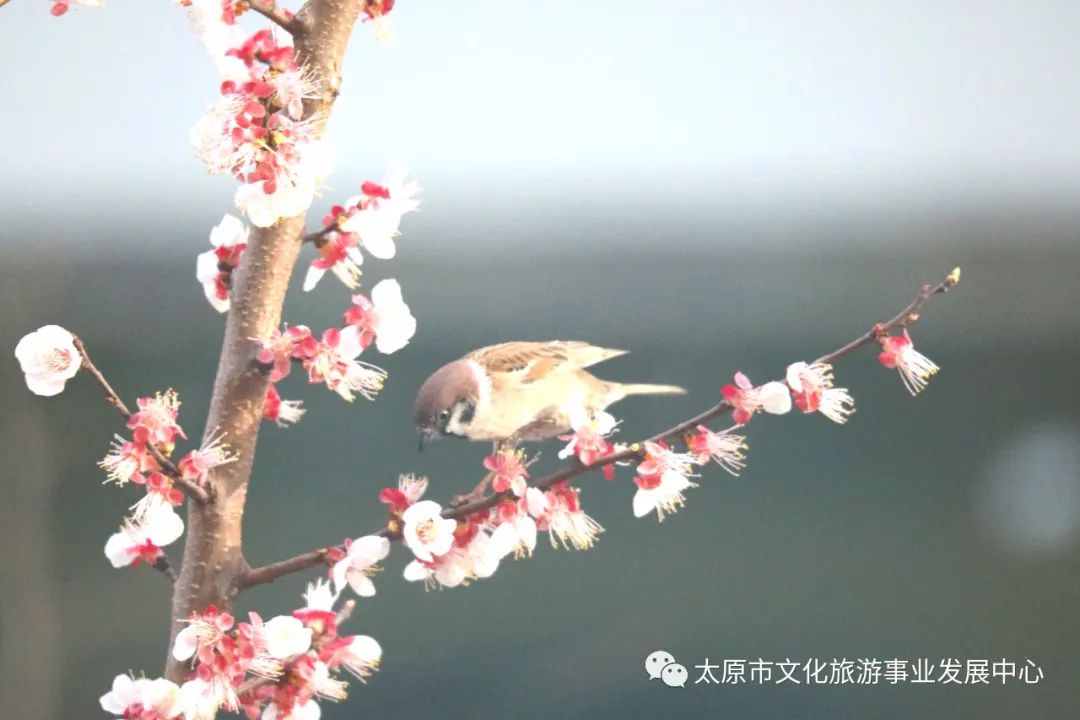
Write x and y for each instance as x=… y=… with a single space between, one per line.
x=155 y=421
x=213 y=268
x=725 y=448
x=426 y=532
x=340 y=254
x=508 y=470
x=143 y=699
x=380 y=210
x=202 y=634
x=376 y=11
x=359 y=654
x=334 y=363
x=198 y=464
x=812 y=388
x=588 y=442
x=661 y=480
x=360 y=562
x=385 y=318
x=142 y=540
x=283 y=347
x=515 y=530
x=48 y=357
x=558 y=512
x=915 y=368
x=410 y=489
x=745 y=399
x=320 y=598
x=286 y=636
x=160 y=490
x=292 y=87
x=282 y=412
x=127 y=461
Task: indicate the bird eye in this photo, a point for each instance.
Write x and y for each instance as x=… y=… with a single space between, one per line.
x=444 y=415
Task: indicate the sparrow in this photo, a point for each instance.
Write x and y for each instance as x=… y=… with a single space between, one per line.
x=519 y=391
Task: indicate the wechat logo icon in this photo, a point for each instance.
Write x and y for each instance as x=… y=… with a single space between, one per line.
x=660 y=664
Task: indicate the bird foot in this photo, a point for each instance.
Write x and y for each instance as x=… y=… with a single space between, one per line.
x=478 y=493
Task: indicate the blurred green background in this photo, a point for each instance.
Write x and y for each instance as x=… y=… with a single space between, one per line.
x=942 y=526
x=714 y=186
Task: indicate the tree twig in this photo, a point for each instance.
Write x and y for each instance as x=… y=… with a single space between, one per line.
x=195 y=490
x=270 y=10
x=270 y=573
x=905 y=318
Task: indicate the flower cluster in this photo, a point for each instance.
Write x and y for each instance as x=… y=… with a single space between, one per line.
x=273 y=669
x=257 y=131
x=154 y=522
x=450 y=552
x=214 y=268
x=313 y=674
x=330 y=359
x=446 y=553
x=370 y=220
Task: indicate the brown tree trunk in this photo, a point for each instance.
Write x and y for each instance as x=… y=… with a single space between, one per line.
x=213 y=552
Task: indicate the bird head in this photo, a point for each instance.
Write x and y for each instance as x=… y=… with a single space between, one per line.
x=446 y=402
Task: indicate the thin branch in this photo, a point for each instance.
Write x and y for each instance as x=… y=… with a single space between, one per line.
x=270 y=573
x=905 y=318
x=195 y=490
x=3 y=3
x=284 y=18
x=111 y=396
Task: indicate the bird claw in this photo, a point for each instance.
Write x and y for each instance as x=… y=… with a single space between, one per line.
x=478 y=493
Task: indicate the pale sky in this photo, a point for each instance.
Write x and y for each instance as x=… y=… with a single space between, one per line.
x=585 y=98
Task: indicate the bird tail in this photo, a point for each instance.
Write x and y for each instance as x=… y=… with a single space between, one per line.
x=623 y=390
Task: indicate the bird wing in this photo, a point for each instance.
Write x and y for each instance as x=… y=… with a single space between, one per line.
x=532 y=361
